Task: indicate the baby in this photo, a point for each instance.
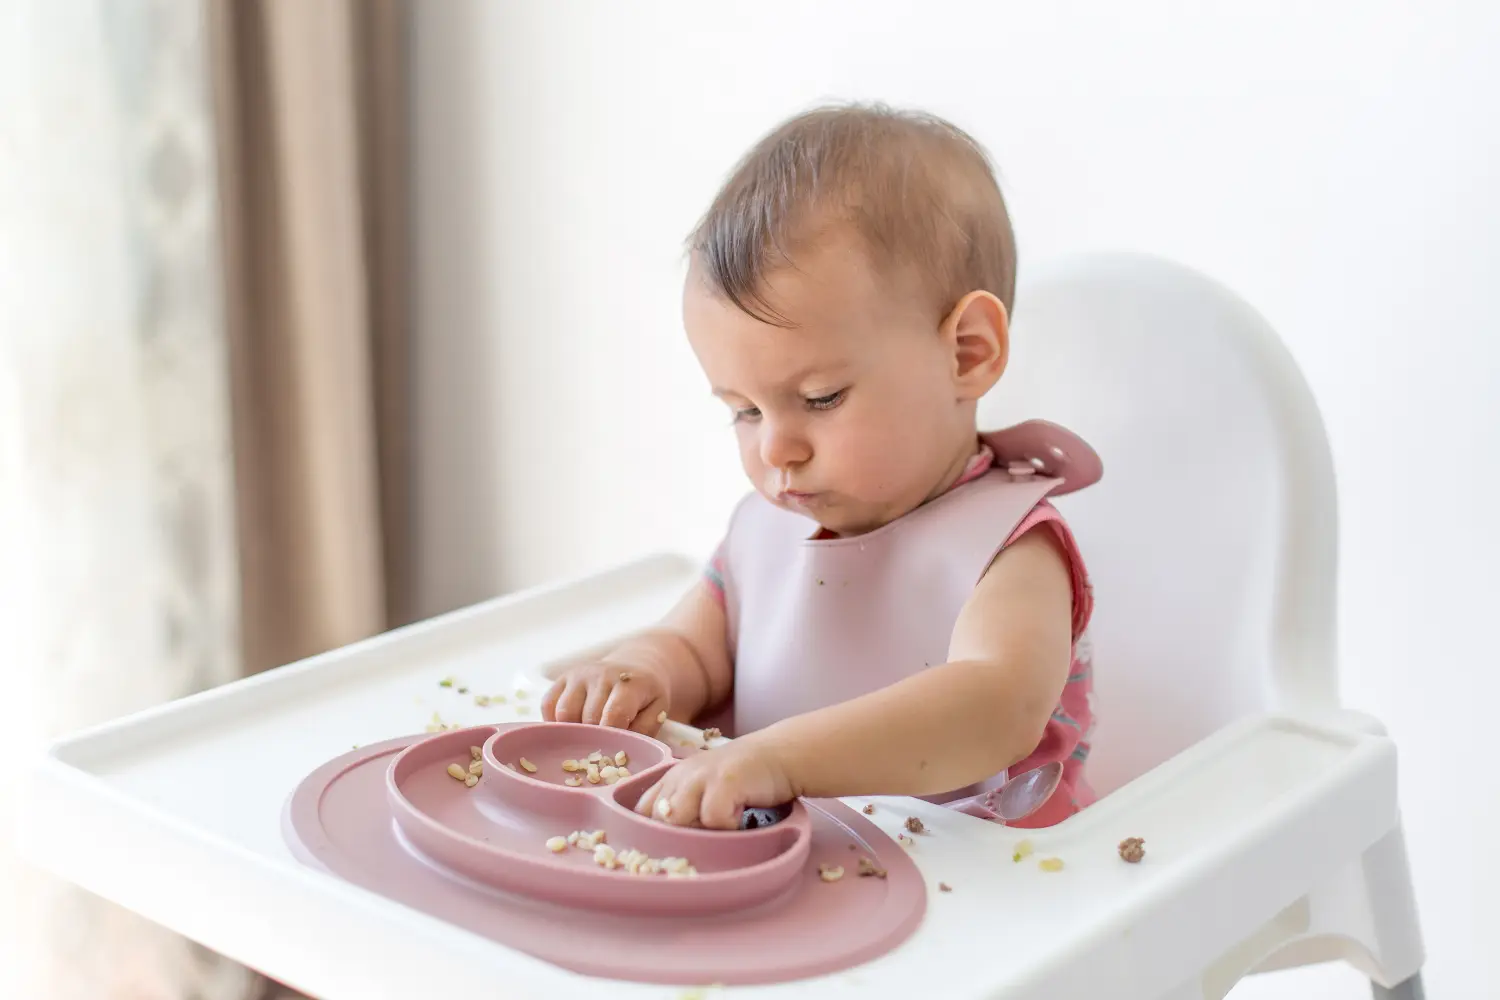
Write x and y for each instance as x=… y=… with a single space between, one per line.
x=896 y=609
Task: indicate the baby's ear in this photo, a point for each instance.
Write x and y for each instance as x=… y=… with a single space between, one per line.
x=978 y=332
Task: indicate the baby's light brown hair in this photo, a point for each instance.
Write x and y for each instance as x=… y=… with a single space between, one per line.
x=918 y=192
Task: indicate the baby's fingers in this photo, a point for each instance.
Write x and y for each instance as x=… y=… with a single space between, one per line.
x=646 y=804
x=674 y=802
x=624 y=703
x=549 y=700
x=599 y=691
x=648 y=720
x=720 y=807
x=569 y=704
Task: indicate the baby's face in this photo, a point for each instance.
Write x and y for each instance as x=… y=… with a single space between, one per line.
x=850 y=417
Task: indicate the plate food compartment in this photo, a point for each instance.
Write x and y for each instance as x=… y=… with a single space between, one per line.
x=497 y=832
x=752 y=907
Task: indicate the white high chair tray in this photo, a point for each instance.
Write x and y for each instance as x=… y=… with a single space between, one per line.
x=175 y=813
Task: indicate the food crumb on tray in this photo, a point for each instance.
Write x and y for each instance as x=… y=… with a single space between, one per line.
x=1132 y=849
x=944 y=887
x=914 y=825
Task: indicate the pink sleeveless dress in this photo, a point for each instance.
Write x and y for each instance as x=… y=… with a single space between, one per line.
x=815 y=620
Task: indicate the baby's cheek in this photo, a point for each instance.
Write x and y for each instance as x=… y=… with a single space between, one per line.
x=869 y=462
x=749 y=454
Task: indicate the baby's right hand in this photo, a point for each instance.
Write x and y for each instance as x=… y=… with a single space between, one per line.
x=608 y=694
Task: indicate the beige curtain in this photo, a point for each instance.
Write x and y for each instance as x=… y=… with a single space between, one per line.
x=311 y=111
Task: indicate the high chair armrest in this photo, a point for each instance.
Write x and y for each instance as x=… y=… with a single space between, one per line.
x=1237 y=829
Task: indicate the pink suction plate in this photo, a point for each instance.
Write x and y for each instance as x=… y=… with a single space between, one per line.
x=392 y=819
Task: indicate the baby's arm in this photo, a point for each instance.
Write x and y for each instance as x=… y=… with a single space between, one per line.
x=958 y=723
x=682 y=666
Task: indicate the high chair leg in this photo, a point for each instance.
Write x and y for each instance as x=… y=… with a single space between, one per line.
x=1409 y=990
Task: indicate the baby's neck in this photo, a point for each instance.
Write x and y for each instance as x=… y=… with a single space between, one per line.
x=962 y=456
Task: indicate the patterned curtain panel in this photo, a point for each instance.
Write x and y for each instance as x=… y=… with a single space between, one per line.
x=118 y=569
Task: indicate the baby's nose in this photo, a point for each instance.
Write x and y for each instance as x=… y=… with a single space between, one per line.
x=781 y=447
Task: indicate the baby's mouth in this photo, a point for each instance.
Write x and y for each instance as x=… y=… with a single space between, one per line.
x=798 y=498
x=786 y=496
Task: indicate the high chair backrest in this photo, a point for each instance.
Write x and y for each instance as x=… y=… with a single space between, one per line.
x=1212 y=538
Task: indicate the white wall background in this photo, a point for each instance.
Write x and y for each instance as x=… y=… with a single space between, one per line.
x=1335 y=163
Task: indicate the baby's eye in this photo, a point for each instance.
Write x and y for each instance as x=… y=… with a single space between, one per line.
x=747 y=414
x=827 y=402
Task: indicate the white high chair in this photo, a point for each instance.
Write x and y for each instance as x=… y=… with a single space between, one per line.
x=1270 y=815
x=1212 y=543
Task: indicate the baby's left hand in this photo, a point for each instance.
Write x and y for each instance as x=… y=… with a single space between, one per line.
x=713 y=787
